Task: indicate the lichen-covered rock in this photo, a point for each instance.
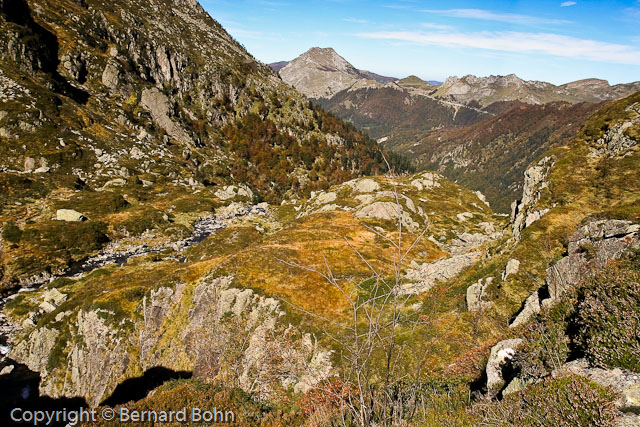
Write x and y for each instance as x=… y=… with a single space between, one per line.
x=324 y=198
x=512 y=267
x=388 y=211
x=95 y=364
x=158 y=105
x=592 y=245
x=426 y=181
x=35 y=351
x=231 y=191
x=366 y=185
x=615 y=142
x=501 y=355
x=462 y=217
x=482 y=198
x=530 y=309
x=29 y=164
x=219 y=332
x=522 y=215
x=476 y=293
x=422 y=277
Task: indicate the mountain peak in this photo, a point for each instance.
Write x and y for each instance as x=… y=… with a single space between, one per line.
x=322 y=72
x=326 y=57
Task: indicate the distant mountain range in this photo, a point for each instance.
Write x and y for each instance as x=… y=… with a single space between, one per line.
x=482 y=131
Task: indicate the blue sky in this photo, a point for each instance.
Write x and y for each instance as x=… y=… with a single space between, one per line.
x=555 y=41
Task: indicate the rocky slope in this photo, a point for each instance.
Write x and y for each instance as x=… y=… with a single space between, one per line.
x=172 y=210
x=514 y=307
x=564 y=279
x=135 y=117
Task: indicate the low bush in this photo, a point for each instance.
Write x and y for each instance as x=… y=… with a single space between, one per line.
x=607 y=318
x=565 y=402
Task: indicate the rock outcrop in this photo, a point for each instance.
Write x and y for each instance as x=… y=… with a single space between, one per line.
x=523 y=211
x=389 y=211
x=592 y=245
x=158 y=105
x=615 y=142
x=69 y=215
x=499 y=360
x=512 y=267
x=476 y=295
x=228 y=333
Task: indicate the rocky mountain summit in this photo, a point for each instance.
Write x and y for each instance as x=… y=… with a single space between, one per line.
x=321 y=73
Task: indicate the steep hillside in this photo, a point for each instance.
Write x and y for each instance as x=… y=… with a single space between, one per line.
x=400 y=114
x=492 y=155
x=136 y=120
x=566 y=282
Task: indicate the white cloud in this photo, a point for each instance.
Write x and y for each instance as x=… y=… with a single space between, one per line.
x=487 y=15
x=519 y=42
x=356 y=20
x=433 y=26
x=568 y=3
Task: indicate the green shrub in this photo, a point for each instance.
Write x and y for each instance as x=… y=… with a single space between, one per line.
x=608 y=315
x=565 y=402
x=11 y=232
x=546 y=348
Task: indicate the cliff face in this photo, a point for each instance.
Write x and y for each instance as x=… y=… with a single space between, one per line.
x=231 y=335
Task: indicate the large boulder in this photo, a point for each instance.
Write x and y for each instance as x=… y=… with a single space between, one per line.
x=69 y=215
x=387 y=211
x=366 y=185
x=530 y=309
